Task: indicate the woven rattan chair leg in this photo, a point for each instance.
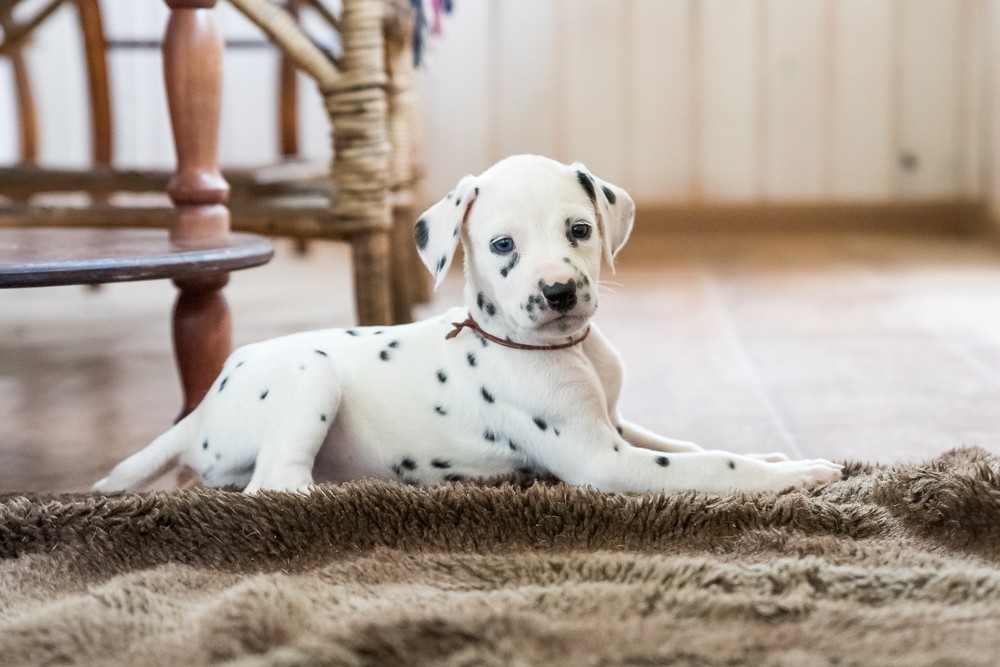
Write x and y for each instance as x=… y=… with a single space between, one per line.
x=404 y=257
x=372 y=281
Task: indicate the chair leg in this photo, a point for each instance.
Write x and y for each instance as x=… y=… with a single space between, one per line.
x=27 y=116
x=372 y=282
x=202 y=334
x=192 y=68
x=403 y=258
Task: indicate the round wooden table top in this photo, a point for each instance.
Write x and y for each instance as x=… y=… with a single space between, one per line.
x=45 y=256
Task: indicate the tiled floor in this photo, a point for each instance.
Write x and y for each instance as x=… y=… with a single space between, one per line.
x=866 y=346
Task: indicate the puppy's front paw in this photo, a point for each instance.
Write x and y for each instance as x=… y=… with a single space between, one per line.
x=771 y=457
x=809 y=473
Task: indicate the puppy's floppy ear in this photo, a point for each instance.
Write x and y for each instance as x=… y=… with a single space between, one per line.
x=438 y=229
x=616 y=209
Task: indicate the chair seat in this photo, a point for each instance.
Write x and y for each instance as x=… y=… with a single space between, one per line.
x=39 y=257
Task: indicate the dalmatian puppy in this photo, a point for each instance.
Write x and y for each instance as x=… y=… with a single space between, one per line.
x=517 y=378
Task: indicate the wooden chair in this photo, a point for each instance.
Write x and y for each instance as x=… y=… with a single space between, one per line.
x=365 y=198
x=366 y=94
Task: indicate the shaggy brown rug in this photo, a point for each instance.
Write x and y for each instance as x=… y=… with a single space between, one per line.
x=895 y=565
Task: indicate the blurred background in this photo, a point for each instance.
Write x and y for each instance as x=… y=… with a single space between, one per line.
x=679 y=101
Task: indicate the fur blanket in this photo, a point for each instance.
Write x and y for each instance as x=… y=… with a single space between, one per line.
x=896 y=565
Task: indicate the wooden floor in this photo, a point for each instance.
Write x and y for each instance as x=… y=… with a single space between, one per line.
x=860 y=346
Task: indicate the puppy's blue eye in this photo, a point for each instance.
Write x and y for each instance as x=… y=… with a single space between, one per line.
x=580 y=230
x=502 y=246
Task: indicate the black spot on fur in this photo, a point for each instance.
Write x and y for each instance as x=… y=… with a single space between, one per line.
x=394 y=344
x=608 y=194
x=662 y=461
x=441 y=263
x=440 y=464
x=556 y=431
x=421 y=234
x=487 y=396
x=587 y=184
x=540 y=423
x=573 y=241
x=222 y=385
x=384 y=355
x=619 y=429
x=452 y=477
x=477 y=191
x=322 y=418
x=408 y=464
x=442 y=378
x=264 y=394
x=379 y=332
x=458 y=202
x=441 y=411
x=732 y=465
x=204 y=445
x=485 y=305
x=471 y=358
x=512 y=445
x=509 y=266
x=351 y=332
x=490 y=435
x=322 y=353
x=616 y=446
x=240 y=364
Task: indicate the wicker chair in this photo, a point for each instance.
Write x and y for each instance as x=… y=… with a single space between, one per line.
x=366 y=92
x=370 y=183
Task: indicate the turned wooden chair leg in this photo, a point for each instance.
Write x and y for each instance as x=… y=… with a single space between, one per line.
x=192 y=68
x=202 y=335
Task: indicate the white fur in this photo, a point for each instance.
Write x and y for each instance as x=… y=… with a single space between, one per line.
x=407 y=403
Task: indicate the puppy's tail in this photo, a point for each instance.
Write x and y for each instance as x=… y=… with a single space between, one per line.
x=151 y=462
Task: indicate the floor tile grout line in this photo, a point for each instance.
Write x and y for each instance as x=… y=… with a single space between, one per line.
x=728 y=327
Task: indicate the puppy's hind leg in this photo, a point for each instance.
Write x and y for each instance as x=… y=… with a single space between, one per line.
x=149 y=463
x=294 y=433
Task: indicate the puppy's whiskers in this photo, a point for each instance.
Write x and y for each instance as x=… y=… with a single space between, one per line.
x=609 y=288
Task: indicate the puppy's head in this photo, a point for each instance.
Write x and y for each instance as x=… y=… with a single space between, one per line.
x=534 y=231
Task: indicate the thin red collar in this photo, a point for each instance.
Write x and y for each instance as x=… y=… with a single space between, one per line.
x=472 y=324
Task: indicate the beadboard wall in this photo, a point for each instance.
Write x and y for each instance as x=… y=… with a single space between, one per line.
x=683 y=102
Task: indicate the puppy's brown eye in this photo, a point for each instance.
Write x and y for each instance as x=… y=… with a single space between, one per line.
x=580 y=230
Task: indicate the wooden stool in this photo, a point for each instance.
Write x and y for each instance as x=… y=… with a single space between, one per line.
x=366 y=197
x=41 y=257
x=194 y=247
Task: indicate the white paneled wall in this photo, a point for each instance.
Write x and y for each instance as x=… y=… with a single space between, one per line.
x=720 y=100
x=677 y=100
x=142 y=131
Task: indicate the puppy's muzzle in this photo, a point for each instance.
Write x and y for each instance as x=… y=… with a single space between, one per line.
x=561 y=297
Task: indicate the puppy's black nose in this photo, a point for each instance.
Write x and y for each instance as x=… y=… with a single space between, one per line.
x=561 y=296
